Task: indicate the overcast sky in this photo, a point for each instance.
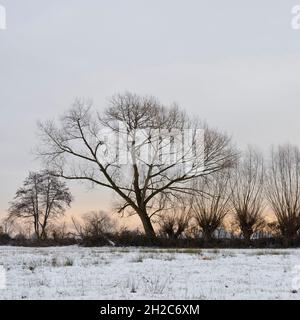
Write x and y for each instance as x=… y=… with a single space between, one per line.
x=234 y=63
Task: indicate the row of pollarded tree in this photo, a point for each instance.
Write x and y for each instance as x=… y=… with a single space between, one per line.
x=243 y=193
x=208 y=175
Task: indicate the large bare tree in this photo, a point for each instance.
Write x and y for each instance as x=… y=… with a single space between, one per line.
x=283 y=189
x=42 y=198
x=211 y=206
x=145 y=157
x=247 y=183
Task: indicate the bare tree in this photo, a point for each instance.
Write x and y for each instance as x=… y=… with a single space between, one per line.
x=7 y=226
x=283 y=189
x=42 y=198
x=247 y=196
x=58 y=231
x=149 y=135
x=95 y=225
x=176 y=217
x=213 y=204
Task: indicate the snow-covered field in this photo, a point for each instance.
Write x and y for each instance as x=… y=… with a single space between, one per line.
x=123 y=273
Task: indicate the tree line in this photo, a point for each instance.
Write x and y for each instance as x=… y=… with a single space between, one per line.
x=176 y=190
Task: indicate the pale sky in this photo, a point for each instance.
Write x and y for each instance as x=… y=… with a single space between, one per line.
x=234 y=63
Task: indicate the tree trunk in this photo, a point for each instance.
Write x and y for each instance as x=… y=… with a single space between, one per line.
x=286 y=241
x=288 y=238
x=207 y=237
x=43 y=235
x=36 y=229
x=149 y=230
x=247 y=236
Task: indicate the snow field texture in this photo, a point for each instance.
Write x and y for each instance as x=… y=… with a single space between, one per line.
x=133 y=273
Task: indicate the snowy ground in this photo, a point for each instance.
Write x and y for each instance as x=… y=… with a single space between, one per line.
x=122 y=273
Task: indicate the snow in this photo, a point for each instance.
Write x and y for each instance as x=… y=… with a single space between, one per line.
x=147 y=273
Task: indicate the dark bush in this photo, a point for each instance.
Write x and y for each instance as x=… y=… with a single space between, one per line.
x=127 y=238
x=95 y=241
x=4 y=239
